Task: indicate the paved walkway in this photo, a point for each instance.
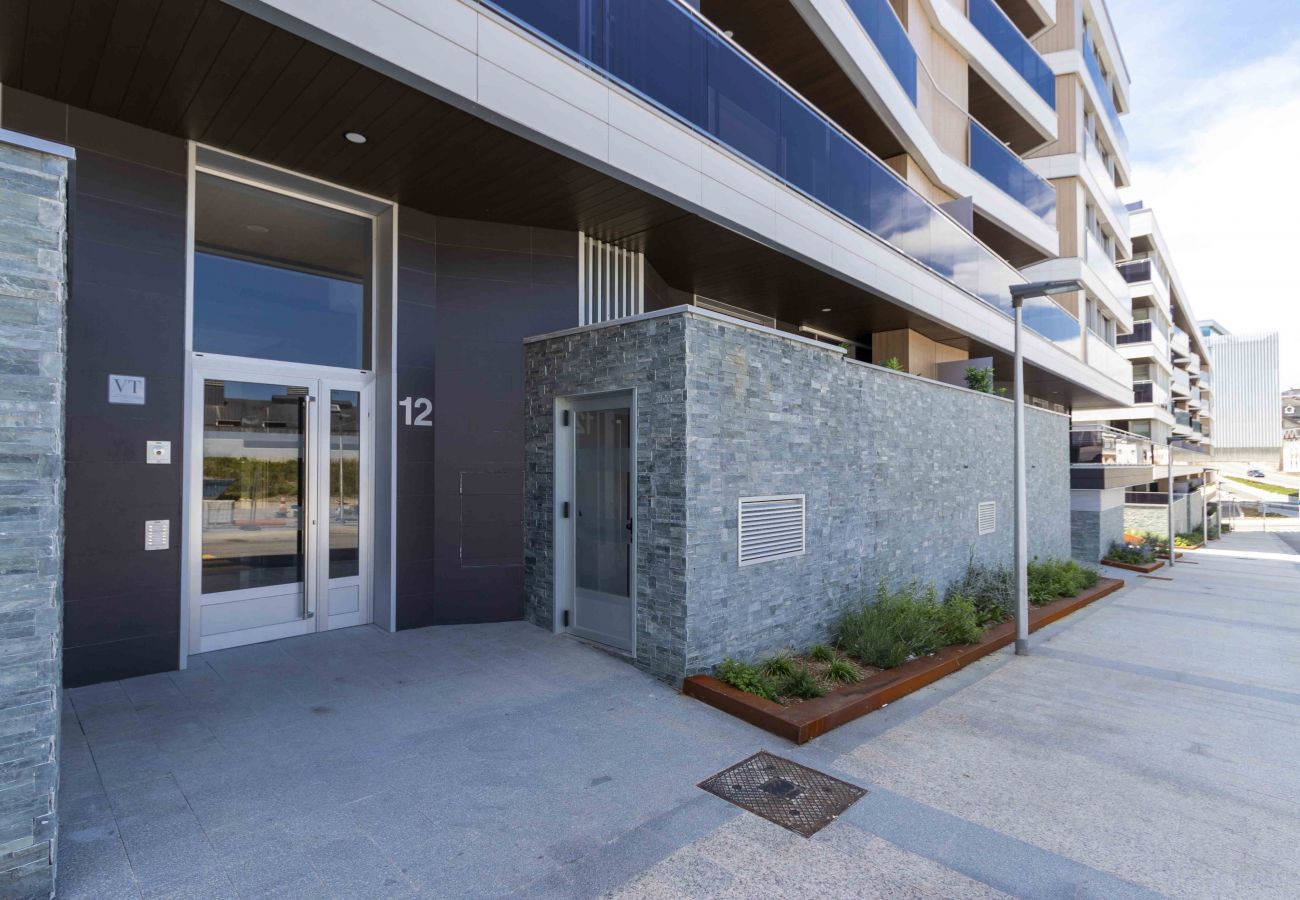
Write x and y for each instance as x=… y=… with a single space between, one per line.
x=1146 y=748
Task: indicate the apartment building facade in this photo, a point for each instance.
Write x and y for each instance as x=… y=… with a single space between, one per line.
x=438 y=311
x=1248 y=379
x=1172 y=408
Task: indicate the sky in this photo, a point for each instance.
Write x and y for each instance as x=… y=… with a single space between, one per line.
x=1214 y=134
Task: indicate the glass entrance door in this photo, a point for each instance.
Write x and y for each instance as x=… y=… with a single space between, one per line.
x=603 y=565
x=279 y=506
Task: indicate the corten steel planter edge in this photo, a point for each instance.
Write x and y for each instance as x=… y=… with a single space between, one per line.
x=1144 y=568
x=812 y=718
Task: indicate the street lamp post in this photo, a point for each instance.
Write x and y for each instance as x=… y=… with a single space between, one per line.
x=1020 y=293
x=1171 y=502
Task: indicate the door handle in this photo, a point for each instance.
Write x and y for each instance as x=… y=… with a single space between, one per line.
x=306 y=522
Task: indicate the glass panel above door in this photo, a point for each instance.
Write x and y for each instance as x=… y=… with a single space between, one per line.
x=280 y=278
x=254 y=485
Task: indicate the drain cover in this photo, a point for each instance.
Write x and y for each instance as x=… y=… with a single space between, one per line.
x=781 y=791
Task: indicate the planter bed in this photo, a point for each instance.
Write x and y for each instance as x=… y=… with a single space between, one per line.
x=801 y=722
x=1177 y=555
x=1144 y=568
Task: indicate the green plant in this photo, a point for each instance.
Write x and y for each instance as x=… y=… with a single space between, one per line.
x=777 y=667
x=991 y=588
x=821 y=653
x=843 y=671
x=1133 y=554
x=893 y=363
x=1225 y=527
x=744 y=677
x=800 y=683
x=980 y=378
x=1053 y=578
x=1193 y=538
x=1263 y=486
x=904 y=624
x=959 y=621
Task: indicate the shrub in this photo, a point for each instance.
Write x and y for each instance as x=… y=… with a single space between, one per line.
x=777 y=667
x=800 y=683
x=1053 y=578
x=843 y=671
x=821 y=653
x=1193 y=538
x=744 y=677
x=905 y=624
x=980 y=379
x=1225 y=527
x=893 y=364
x=1134 y=554
x=991 y=588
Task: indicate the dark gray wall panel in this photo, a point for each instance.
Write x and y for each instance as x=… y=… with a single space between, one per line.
x=126 y=316
x=468 y=293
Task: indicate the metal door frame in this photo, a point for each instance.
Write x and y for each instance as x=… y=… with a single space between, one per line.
x=318 y=380
x=564 y=528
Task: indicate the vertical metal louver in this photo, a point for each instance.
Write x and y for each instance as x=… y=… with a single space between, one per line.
x=770 y=528
x=988 y=517
x=611 y=283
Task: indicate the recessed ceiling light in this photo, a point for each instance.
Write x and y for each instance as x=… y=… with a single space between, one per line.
x=257 y=229
x=355 y=137
x=826 y=309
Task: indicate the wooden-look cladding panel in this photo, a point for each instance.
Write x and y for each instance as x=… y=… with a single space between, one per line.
x=1067 y=33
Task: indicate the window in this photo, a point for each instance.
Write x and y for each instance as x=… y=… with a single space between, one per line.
x=276 y=277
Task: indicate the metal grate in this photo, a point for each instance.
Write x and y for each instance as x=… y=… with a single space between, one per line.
x=988 y=517
x=784 y=792
x=770 y=528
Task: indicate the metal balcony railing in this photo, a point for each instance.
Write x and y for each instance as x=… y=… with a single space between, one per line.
x=669 y=55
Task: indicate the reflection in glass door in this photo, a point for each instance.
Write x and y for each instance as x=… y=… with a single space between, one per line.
x=343 y=510
x=281 y=514
x=604 y=522
x=255 y=508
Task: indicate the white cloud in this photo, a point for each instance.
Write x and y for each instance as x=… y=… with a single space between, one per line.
x=1227 y=195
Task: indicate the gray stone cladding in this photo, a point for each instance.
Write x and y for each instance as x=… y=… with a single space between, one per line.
x=1143 y=518
x=1093 y=532
x=33 y=293
x=892 y=466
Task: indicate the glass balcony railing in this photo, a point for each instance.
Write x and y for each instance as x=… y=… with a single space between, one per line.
x=1107 y=96
x=890 y=37
x=1101 y=263
x=1180 y=382
x=1136 y=271
x=1144 y=392
x=999 y=165
x=1141 y=334
x=990 y=21
x=1105 y=180
x=1183 y=418
x=667 y=54
x=1101 y=445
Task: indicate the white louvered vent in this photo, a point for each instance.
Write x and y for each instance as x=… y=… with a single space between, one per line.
x=770 y=528
x=988 y=517
x=611 y=284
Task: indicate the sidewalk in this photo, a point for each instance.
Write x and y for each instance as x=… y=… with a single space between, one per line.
x=1146 y=748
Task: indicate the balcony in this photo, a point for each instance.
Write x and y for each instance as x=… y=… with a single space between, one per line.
x=990 y=21
x=1180 y=343
x=1107 y=95
x=1101 y=445
x=667 y=54
x=881 y=23
x=1106 y=182
x=1101 y=263
x=1182 y=422
x=1000 y=166
x=1180 y=384
x=1103 y=358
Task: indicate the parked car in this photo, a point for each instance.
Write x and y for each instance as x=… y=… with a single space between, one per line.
x=1255 y=473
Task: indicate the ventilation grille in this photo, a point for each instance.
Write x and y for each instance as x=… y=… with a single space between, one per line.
x=611 y=284
x=770 y=528
x=988 y=517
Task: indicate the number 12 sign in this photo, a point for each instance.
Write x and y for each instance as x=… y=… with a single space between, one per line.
x=418 y=411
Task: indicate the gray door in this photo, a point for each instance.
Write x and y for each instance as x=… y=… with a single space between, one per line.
x=604 y=569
